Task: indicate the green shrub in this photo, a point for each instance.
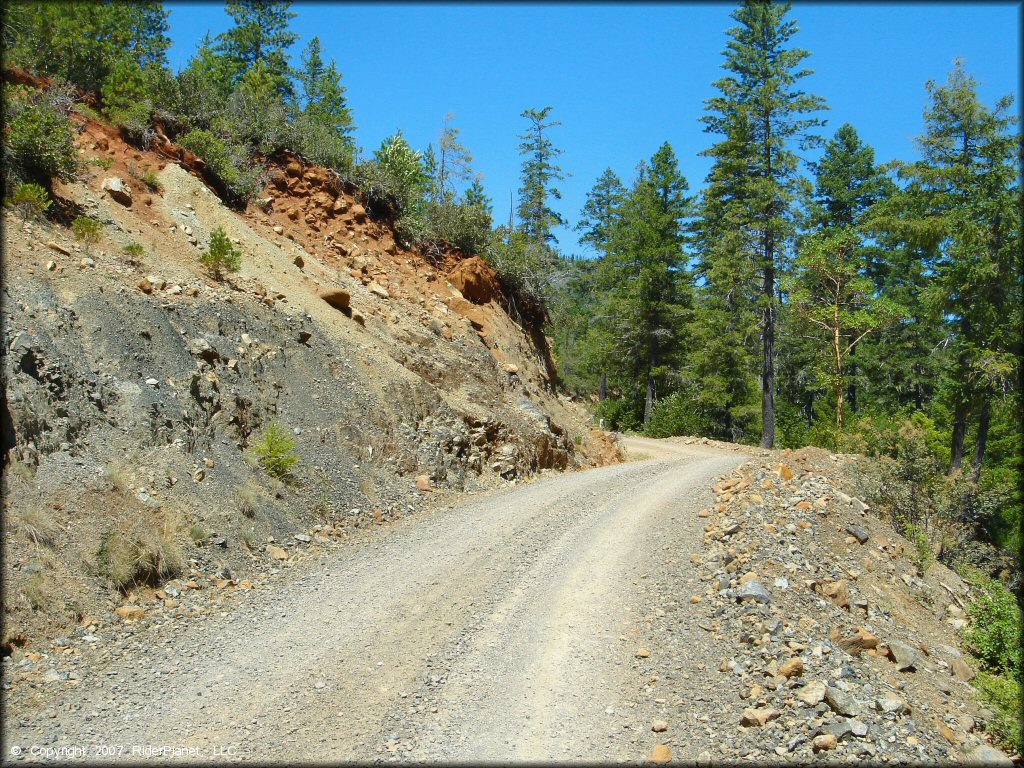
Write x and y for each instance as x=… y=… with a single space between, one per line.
x=38 y=138
x=103 y=162
x=322 y=145
x=1003 y=695
x=673 y=415
x=995 y=630
x=619 y=415
x=467 y=227
x=276 y=452
x=87 y=230
x=222 y=255
x=230 y=163
x=32 y=201
x=134 y=251
x=395 y=181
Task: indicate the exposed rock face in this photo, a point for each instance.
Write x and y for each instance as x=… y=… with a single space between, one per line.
x=476 y=280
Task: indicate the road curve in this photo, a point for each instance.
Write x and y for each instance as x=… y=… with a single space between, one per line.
x=501 y=629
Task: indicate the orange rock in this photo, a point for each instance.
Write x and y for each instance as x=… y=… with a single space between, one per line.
x=476 y=280
x=784 y=472
x=131 y=612
x=661 y=754
x=792 y=668
x=423 y=483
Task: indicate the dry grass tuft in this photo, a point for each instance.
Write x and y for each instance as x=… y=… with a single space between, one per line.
x=142 y=550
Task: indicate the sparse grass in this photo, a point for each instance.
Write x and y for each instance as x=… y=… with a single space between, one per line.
x=249 y=540
x=140 y=551
x=147 y=176
x=248 y=500
x=198 y=534
x=102 y=162
x=134 y=251
x=119 y=476
x=38 y=526
x=40 y=592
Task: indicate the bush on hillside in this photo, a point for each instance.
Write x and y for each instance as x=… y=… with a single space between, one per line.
x=231 y=164
x=31 y=201
x=276 y=452
x=221 y=256
x=38 y=137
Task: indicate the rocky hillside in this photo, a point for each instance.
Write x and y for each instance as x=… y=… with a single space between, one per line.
x=135 y=386
x=829 y=642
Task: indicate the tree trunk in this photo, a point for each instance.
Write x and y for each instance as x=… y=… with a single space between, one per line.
x=652 y=392
x=984 y=419
x=851 y=389
x=956 y=453
x=768 y=361
x=602 y=392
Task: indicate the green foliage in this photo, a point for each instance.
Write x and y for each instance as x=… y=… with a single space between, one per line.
x=229 y=163
x=102 y=162
x=993 y=636
x=147 y=176
x=221 y=256
x=537 y=178
x=83 y=42
x=87 y=230
x=134 y=251
x=995 y=629
x=395 y=183
x=1004 y=695
x=674 y=415
x=32 y=201
x=38 y=139
x=126 y=98
x=276 y=452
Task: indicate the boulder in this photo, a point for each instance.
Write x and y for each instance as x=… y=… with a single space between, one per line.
x=753 y=590
x=118 y=190
x=476 y=280
x=903 y=655
x=985 y=754
x=338 y=299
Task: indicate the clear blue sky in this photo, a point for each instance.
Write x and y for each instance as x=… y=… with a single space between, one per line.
x=622 y=79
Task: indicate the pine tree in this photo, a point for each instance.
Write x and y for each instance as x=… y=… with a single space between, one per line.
x=962 y=202
x=601 y=211
x=82 y=42
x=649 y=290
x=476 y=196
x=260 y=34
x=539 y=173
x=323 y=95
x=761 y=101
x=454 y=161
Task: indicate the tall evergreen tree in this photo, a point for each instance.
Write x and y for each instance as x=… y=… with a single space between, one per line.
x=539 y=174
x=601 y=211
x=962 y=200
x=761 y=100
x=649 y=287
x=260 y=34
x=323 y=95
x=454 y=161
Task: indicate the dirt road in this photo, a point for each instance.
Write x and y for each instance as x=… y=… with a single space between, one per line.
x=504 y=629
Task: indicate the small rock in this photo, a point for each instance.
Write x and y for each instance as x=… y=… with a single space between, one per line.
x=277 y=552
x=903 y=655
x=87 y=262
x=304 y=538
x=857 y=643
x=378 y=290
x=859 y=532
x=890 y=703
x=131 y=612
x=758 y=716
x=145 y=285
x=841 y=702
x=824 y=742
x=338 y=299
x=792 y=668
x=753 y=590
x=51 y=266
x=659 y=726
x=642 y=653
x=423 y=483
x=813 y=693
x=985 y=754
x=661 y=754
x=278 y=229
x=58 y=248
x=118 y=190
x=962 y=670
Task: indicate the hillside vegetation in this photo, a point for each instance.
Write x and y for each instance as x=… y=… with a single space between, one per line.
x=208 y=284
